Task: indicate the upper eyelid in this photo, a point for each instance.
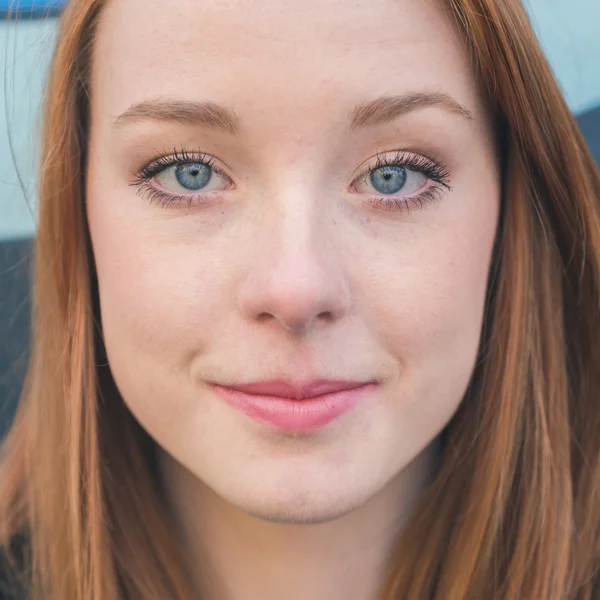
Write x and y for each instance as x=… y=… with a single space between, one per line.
x=181 y=157
x=381 y=158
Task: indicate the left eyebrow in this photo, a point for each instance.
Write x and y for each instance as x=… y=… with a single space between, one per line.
x=387 y=108
x=215 y=116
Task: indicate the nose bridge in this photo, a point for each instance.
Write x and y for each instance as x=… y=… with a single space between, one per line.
x=295 y=276
x=296 y=215
x=297 y=242
x=296 y=221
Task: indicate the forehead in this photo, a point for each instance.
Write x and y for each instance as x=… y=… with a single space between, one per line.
x=294 y=53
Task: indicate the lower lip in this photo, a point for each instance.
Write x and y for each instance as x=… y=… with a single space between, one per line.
x=294 y=415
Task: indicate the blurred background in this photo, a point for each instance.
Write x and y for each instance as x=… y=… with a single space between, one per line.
x=568 y=31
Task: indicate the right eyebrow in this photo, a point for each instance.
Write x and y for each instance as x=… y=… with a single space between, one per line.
x=215 y=116
x=198 y=114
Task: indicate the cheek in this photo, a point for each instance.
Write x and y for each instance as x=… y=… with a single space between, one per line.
x=426 y=304
x=427 y=297
x=158 y=303
x=428 y=315
x=157 y=298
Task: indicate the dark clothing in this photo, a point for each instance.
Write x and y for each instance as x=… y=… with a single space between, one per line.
x=11 y=584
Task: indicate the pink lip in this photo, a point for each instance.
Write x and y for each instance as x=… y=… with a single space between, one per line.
x=295 y=408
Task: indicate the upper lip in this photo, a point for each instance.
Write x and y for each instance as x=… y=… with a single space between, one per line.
x=297 y=391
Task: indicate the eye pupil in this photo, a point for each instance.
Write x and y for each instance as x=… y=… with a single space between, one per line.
x=193 y=176
x=388 y=179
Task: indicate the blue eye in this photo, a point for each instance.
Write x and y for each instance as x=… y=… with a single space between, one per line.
x=397 y=180
x=403 y=177
x=388 y=179
x=193 y=176
x=183 y=174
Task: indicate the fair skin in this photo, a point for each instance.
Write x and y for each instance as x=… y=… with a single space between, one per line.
x=289 y=265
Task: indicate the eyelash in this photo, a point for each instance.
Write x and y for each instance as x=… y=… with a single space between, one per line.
x=435 y=171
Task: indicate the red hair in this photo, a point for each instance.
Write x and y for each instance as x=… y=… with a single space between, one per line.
x=514 y=510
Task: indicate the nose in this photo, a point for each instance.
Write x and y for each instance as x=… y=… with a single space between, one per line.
x=295 y=277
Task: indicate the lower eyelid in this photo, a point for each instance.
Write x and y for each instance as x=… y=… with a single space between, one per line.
x=149 y=186
x=155 y=195
x=431 y=195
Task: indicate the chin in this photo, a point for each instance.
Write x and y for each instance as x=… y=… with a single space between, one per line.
x=291 y=491
x=297 y=515
x=298 y=504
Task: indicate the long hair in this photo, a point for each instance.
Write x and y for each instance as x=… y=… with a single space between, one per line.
x=513 y=512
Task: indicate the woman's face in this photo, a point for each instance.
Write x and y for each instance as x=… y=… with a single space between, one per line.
x=296 y=190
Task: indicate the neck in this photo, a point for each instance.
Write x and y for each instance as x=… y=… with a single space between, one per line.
x=237 y=556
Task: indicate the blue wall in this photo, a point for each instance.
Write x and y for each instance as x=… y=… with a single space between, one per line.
x=569 y=32
x=37 y=6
